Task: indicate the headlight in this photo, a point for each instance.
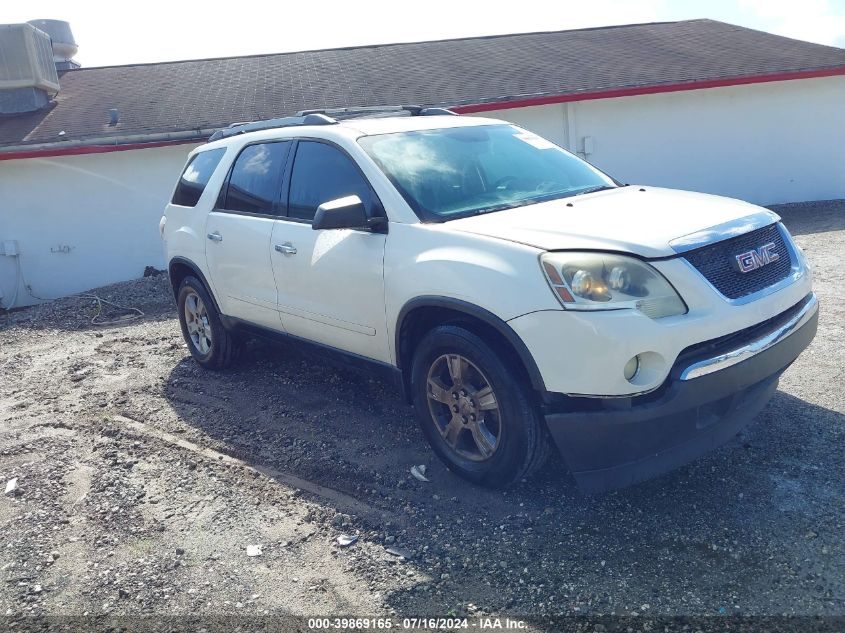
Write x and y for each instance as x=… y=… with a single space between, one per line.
x=604 y=281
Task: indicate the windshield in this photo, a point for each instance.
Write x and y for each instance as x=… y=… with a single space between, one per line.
x=455 y=172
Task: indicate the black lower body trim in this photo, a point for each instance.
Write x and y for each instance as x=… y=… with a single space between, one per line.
x=618 y=445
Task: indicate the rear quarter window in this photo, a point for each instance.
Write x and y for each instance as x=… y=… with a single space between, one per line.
x=197 y=173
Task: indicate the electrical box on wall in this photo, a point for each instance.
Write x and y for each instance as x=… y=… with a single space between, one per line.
x=10 y=248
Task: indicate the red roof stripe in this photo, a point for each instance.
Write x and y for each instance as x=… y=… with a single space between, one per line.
x=647 y=90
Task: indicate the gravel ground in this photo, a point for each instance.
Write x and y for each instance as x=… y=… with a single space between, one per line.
x=146 y=486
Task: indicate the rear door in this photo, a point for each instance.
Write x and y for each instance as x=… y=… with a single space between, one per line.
x=331 y=282
x=238 y=232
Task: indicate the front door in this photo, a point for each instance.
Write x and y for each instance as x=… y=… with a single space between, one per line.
x=239 y=231
x=331 y=282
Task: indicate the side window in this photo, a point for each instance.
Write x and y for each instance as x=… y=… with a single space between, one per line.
x=321 y=173
x=197 y=173
x=256 y=178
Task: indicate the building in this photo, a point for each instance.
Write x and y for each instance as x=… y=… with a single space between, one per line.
x=697 y=104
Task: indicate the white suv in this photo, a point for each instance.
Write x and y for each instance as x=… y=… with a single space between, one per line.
x=516 y=294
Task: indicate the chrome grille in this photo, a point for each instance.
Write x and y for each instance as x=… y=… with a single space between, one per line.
x=716 y=262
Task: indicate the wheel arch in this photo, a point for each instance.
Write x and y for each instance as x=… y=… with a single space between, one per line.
x=421 y=314
x=181 y=267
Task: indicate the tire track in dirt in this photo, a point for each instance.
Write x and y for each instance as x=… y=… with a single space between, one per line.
x=340 y=500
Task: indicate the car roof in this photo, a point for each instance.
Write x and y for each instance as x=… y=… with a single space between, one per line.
x=386 y=125
x=355 y=128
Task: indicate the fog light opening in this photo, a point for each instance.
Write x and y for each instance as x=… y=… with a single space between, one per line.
x=632 y=368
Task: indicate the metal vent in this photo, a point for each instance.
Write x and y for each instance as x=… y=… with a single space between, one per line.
x=26 y=59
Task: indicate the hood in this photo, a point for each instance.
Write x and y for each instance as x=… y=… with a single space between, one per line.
x=640 y=220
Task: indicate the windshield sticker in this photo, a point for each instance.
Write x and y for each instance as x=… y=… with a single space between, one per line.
x=535 y=141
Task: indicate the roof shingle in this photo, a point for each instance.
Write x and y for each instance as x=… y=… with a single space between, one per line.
x=211 y=93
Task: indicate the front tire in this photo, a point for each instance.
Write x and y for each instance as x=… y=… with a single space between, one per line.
x=211 y=345
x=476 y=412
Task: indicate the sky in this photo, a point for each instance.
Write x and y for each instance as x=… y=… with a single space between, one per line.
x=110 y=33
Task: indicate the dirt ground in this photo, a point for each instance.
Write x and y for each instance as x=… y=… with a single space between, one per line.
x=147 y=486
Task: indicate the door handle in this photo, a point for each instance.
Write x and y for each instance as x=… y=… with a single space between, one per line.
x=287 y=248
x=215 y=237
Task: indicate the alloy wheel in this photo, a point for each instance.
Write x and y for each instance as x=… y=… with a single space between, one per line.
x=463 y=407
x=197 y=323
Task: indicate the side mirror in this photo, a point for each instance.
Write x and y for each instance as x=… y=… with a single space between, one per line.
x=342 y=213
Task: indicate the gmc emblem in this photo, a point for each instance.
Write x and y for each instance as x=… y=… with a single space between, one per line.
x=756 y=258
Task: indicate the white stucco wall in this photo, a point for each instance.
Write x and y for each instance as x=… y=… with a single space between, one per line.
x=103 y=209
x=765 y=143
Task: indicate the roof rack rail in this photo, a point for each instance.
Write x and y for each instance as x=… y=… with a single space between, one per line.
x=327 y=116
x=314 y=118
x=377 y=111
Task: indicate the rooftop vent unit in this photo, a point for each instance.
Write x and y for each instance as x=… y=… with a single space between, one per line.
x=64 y=45
x=27 y=73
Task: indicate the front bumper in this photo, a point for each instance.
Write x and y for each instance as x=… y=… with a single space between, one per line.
x=713 y=390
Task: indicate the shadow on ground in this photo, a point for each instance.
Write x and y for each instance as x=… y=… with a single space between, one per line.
x=806 y=218
x=730 y=530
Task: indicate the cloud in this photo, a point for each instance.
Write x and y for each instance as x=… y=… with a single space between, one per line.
x=158 y=32
x=167 y=30
x=812 y=20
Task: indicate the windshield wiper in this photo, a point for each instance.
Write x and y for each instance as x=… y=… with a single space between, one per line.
x=499 y=207
x=527 y=201
x=593 y=189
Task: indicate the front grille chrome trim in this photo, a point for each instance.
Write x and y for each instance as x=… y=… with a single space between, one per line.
x=757 y=346
x=724 y=231
x=795 y=273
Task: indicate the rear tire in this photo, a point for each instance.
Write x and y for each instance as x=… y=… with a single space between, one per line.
x=479 y=415
x=211 y=344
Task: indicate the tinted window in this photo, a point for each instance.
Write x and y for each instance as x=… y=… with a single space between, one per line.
x=322 y=173
x=196 y=176
x=256 y=178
